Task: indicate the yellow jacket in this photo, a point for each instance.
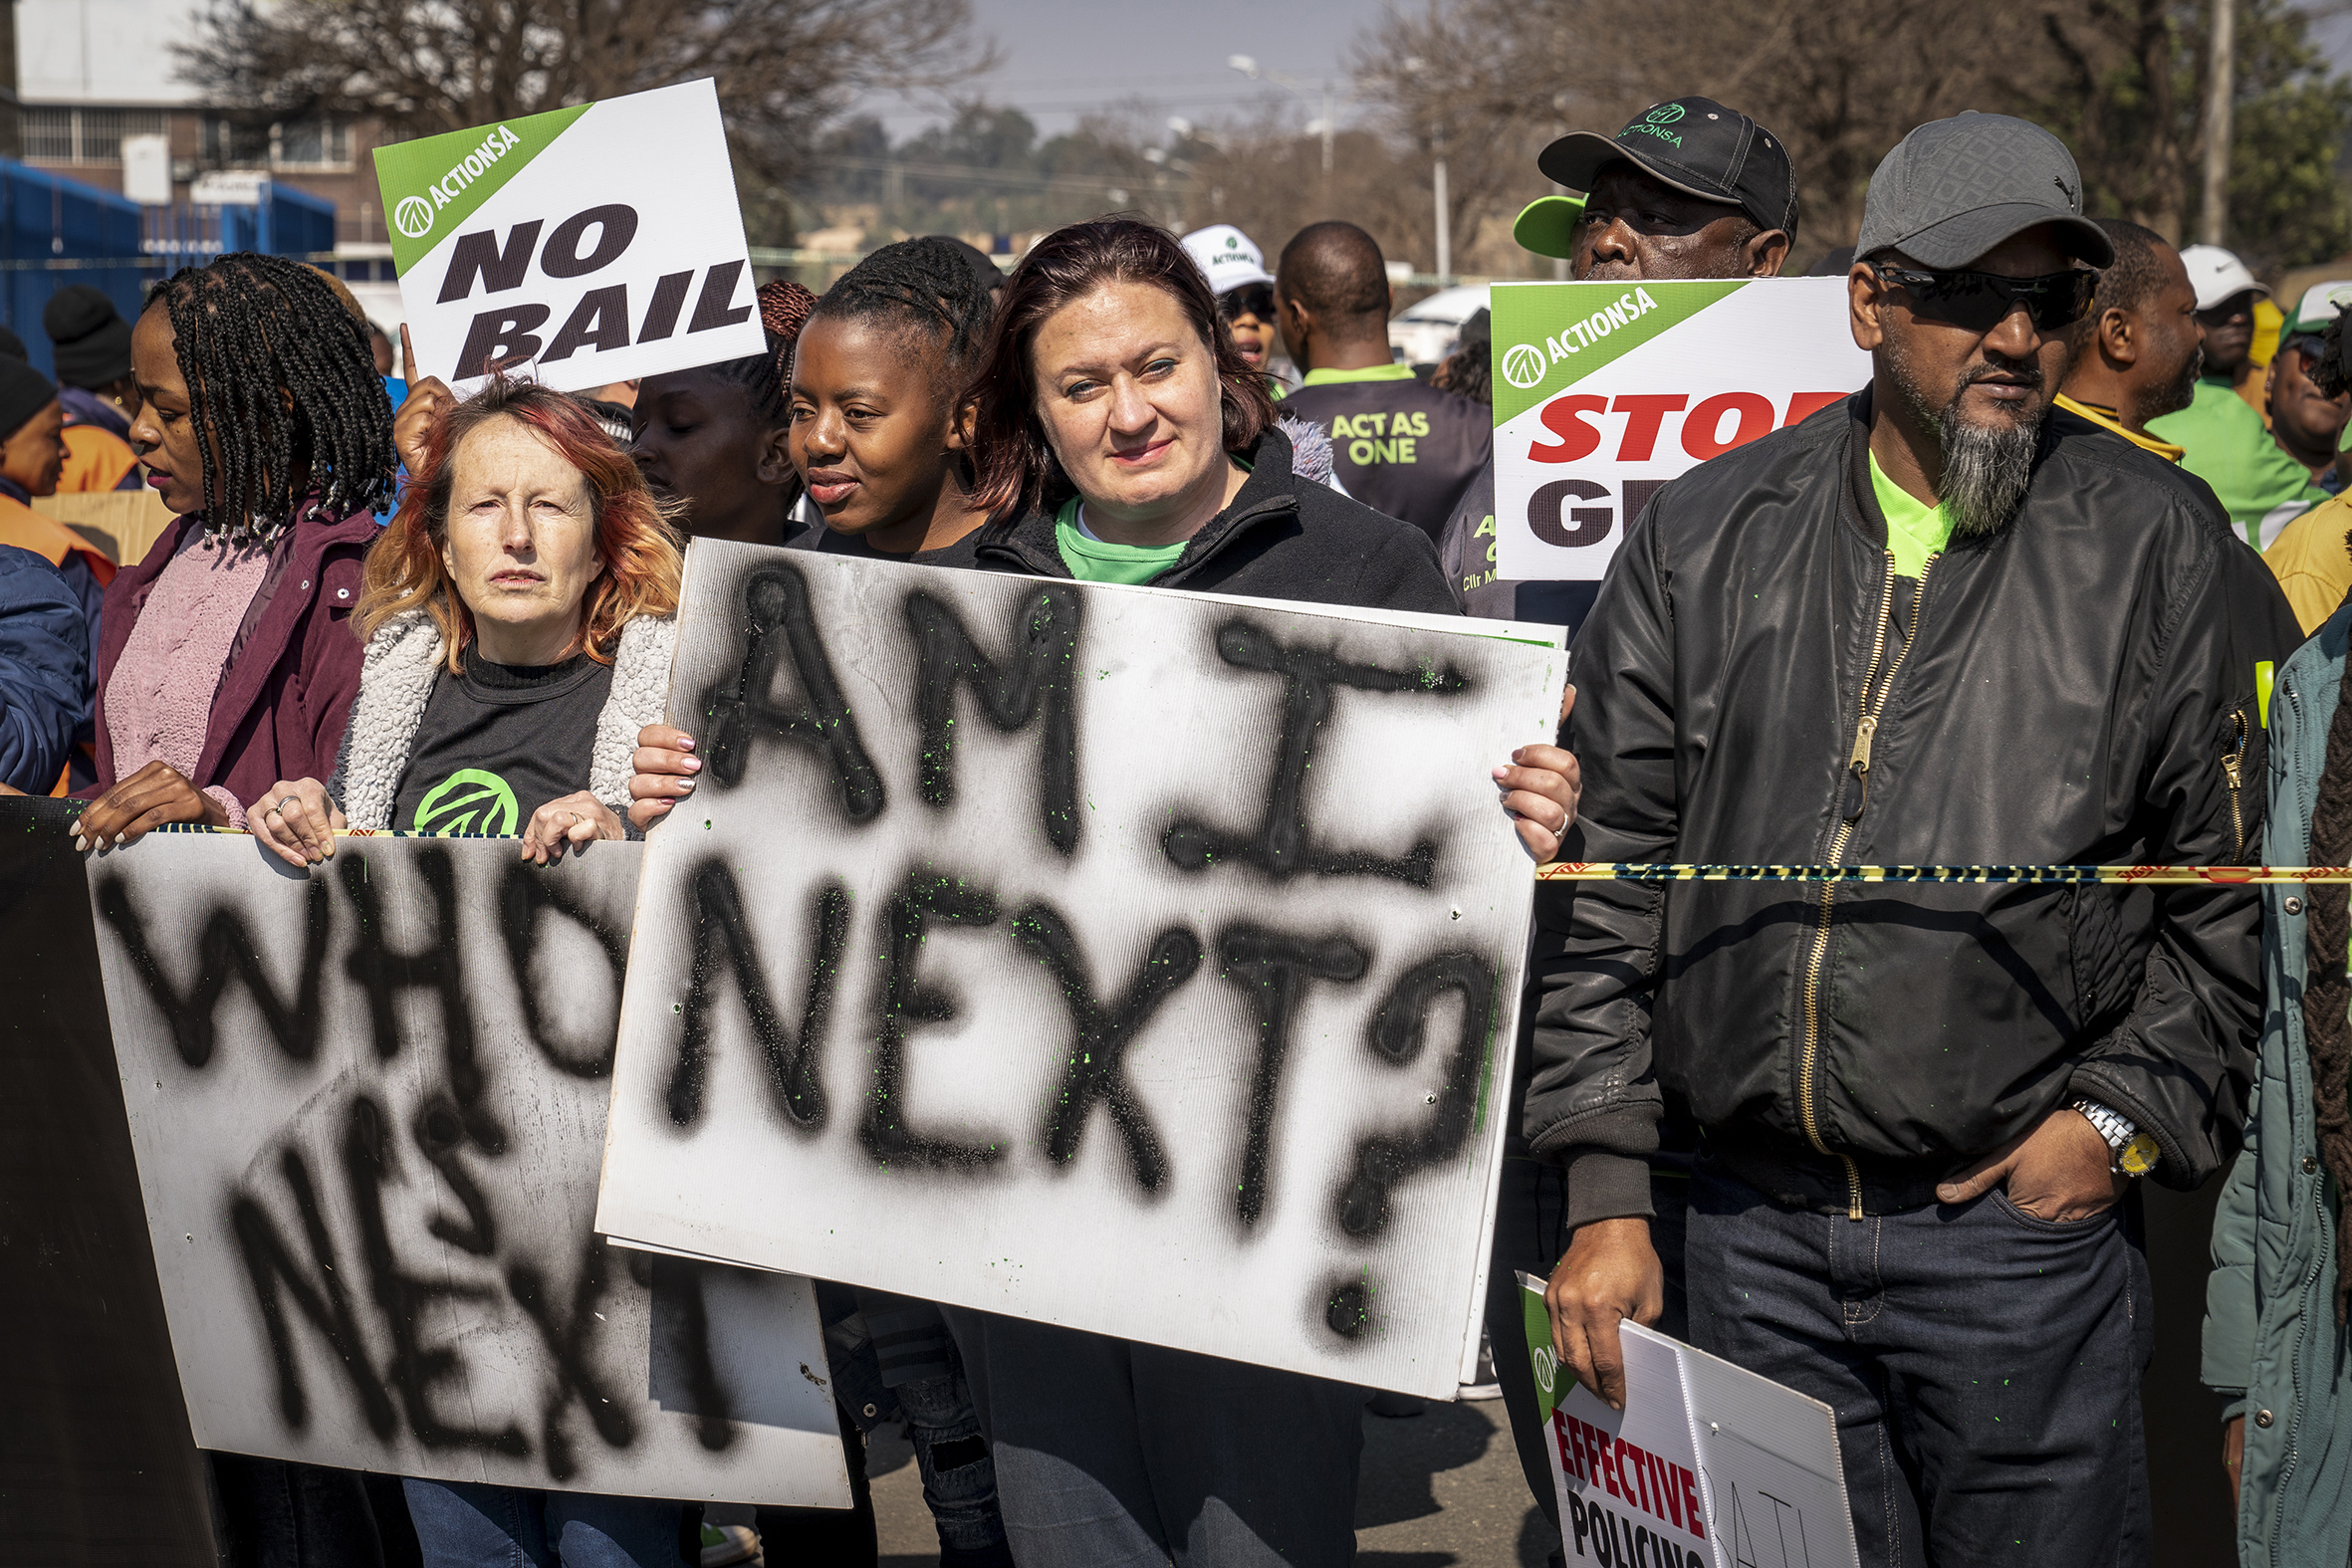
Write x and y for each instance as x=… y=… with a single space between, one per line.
x=2313 y=562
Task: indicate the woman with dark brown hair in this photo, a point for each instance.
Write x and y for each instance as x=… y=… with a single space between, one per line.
x=1120 y=437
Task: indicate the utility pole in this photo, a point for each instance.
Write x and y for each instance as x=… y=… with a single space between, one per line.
x=1326 y=130
x=1445 y=228
x=2220 y=90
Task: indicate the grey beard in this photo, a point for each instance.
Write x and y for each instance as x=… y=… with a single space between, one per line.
x=1987 y=470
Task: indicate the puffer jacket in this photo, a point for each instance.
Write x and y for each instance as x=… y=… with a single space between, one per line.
x=2080 y=688
x=2272 y=1345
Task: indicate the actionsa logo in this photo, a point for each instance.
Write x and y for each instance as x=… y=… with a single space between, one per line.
x=1523 y=366
x=413 y=217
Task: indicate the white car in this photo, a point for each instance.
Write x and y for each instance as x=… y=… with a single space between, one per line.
x=1425 y=332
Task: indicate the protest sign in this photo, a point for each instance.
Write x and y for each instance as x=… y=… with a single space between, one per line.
x=1141 y=962
x=1604 y=391
x=1706 y=1466
x=595 y=243
x=368 y=1108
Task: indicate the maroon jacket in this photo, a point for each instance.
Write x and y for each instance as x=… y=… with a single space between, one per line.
x=289 y=687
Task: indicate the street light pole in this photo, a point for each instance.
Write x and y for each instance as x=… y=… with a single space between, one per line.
x=1445 y=227
x=2220 y=92
x=1333 y=99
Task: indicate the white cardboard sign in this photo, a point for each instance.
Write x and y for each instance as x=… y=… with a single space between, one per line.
x=1136 y=961
x=1604 y=391
x=1706 y=1466
x=369 y=1107
x=595 y=243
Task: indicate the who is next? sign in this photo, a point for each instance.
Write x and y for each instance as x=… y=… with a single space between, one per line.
x=599 y=242
x=1607 y=390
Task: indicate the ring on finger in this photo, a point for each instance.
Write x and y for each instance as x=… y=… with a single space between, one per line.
x=289 y=800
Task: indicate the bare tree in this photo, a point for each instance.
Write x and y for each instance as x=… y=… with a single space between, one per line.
x=785 y=68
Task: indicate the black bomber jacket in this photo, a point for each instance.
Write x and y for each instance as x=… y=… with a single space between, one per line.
x=2084 y=687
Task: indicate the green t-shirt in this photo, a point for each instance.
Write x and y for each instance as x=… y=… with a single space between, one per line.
x=1914 y=531
x=2223 y=443
x=1099 y=561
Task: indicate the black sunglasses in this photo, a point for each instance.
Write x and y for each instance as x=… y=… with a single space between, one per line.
x=1979 y=300
x=1251 y=299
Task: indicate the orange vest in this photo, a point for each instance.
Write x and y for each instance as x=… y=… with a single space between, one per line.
x=51 y=539
x=95 y=460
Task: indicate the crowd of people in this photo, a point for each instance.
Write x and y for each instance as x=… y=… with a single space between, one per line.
x=2006 y=603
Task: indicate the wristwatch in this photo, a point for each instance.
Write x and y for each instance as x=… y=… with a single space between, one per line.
x=2135 y=1152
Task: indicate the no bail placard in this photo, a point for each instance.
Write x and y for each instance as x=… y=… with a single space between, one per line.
x=591 y=244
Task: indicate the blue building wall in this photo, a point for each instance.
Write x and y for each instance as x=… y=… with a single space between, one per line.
x=49 y=223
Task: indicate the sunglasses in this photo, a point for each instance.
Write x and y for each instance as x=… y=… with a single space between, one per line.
x=1980 y=301
x=1251 y=299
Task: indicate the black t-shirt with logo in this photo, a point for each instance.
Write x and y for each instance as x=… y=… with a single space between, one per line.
x=500 y=741
x=1400 y=446
x=1467 y=554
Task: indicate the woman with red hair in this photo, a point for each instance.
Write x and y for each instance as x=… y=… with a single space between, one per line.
x=517 y=614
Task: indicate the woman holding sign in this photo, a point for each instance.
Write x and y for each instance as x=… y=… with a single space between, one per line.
x=517 y=617
x=1119 y=436
x=227 y=657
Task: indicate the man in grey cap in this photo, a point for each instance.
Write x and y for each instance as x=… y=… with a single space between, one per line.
x=1933 y=625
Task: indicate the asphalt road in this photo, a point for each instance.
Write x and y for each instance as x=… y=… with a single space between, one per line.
x=1441 y=1490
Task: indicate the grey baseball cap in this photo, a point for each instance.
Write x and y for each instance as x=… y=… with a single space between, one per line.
x=1954 y=188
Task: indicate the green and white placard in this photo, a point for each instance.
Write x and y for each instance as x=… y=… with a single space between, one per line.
x=591 y=244
x=1604 y=391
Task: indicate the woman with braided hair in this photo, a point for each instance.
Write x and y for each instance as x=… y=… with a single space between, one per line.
x=714 y=437
x=877 y=433
x=227 y=657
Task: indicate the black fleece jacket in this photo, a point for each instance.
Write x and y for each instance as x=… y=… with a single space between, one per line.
x=2082 y=687
x=1284 y=538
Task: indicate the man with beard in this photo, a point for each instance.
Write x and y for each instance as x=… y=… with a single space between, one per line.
x=1931 y=625
x=2136 y=353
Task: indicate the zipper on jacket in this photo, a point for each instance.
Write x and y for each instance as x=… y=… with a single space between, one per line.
x=2234 y=770
x=1858 y=765
x=2294 y=1426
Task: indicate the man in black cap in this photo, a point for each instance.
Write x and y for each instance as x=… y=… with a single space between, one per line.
x=1932 y=625
x=95 y=389
x=1688 y=189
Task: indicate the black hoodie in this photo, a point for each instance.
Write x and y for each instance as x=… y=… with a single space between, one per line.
x=1284 y=538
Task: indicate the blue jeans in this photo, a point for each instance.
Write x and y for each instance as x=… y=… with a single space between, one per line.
x=465 y=1524
x=1985 y=1364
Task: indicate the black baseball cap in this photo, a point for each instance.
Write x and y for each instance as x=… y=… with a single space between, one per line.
x=1696 y=145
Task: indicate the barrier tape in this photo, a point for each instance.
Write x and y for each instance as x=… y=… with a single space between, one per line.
x=2122 y=876
x=1654 y=871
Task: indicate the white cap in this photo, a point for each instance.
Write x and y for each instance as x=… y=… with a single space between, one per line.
x=2321 y=303
x=2217 y=275
x=1227 y=257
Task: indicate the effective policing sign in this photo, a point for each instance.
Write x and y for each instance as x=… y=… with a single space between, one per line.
x=591 y=244
x=1604 y=391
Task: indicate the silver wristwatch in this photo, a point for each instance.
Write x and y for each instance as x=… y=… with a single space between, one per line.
x=2131 y=1151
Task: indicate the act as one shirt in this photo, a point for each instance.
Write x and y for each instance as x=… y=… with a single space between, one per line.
x=1092 y=560
x=1400 y=446
x=1914 y=530
x=498 y=742
x=2223 y=442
